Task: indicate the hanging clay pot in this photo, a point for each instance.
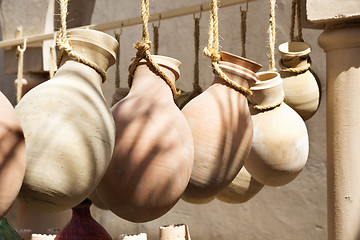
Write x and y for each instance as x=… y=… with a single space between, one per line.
x=141 y=236
x=196 y=200
x=241 y=189
x=96 y=200
x=175 y=232
x=7 y=232
x=119 y=94
x=83 y=226
x=280 y=145
x=12 y=155
x=222 y=129
x=301 y=87
x=154 y=152
x=68 y=128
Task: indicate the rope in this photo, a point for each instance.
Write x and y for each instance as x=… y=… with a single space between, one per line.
x=65 y=44
x=52 y=59
x=20 y=71
x=296 y=69
x=266 y=107
x=143 y=51
x=212 y=51
x=243 y=28
x=272 y=36
x=296 y=15
x=156 y=37
x=117 y=61
x=196 y=84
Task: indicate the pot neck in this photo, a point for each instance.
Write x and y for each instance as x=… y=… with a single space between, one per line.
x=82 y=210
x=294 y=54
x=268 y=91
x=147 y=81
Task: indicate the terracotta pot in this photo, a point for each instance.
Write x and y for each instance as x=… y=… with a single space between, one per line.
x=196 y=200
x=83 y=226
x=154 y=152
x=141 y=236
x=43 y=237
x=281 y=145
x=12 y=155
x=68 y=128
x=7 y=232
x=302 y=90
x=222 y=129
x=175 y=232
x=243 y=188
x=119 y=94
x=96 y=200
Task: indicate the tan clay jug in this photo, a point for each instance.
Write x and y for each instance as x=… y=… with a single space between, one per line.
x=175 y=232
x=12 y=155
x=154 y=152
x=68 y=128
x=302 y=91
x=280 y=145
x=222 y=129
x=243 y=188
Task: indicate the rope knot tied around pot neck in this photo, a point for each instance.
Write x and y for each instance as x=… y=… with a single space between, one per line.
x=212 y=54
x=143 y=48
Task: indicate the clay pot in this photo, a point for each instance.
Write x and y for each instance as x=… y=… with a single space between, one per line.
x=83 y=226
x=302 y=90
x=243 y=188
x=7 y=232
x=175 y=232
x=68 y=128
x=222 y=129
x=96 y=200
x=43 y=237
x=12 y=155
x=280 y=145
x=119 y=94
x=196 y=200
x=141 y=236
x=154 y=152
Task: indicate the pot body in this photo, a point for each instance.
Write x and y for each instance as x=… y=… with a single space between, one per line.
x=119 y=94
x=302 y=90
x=154 y=150
x=83 y=226
x=222 y=129
x=280 y=145
x=12 y=155
x=241 y=189
x=68 y=128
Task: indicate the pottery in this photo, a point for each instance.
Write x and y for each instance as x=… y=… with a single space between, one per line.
x=43 y=237
x=12 y=155
x=68 y=128
x=196 y=200
x=7 y=232
x=302 y=90
x=141 y=236
x=96 y=200
x=154 y=150
x=243 y=188
x=83 y=226
x=175 y=232
x=280 y=146
x=119 y=94
x=222 y=129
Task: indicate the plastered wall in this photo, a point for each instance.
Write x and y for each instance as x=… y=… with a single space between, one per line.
x=296 y=211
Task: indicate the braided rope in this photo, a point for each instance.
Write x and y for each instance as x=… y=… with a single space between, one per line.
x=295 y=69
x=296 y=14
x=196 y=84
x=20 y=72
x=65 y=44
x=272 y=36
x=156 y=37
x=243 y=28
x=117 y=62
x=267 y=107
x=212 y=50
x=143 y=51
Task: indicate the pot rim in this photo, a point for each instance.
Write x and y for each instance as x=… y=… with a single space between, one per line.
x=302 y=49
x=266 y=79
x=244 y=62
